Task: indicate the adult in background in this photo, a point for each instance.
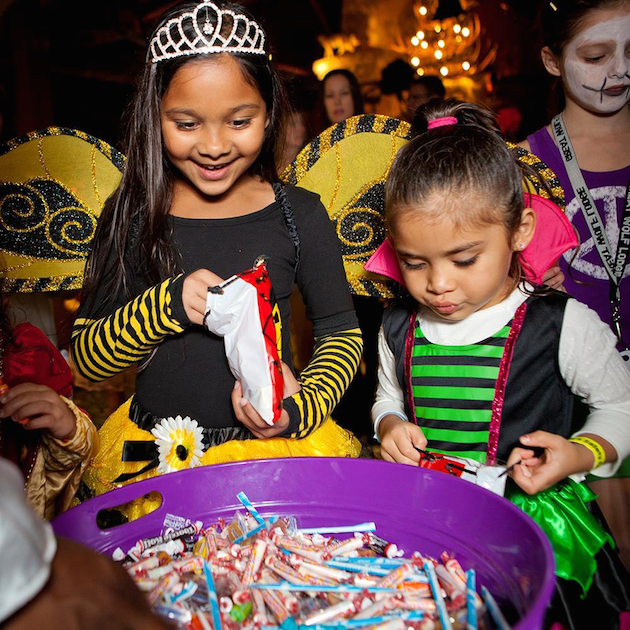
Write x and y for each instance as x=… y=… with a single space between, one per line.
x=421 y=91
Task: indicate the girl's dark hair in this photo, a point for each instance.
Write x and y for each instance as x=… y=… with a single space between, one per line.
x=562 y=20
x=355 y=90
x=453 y=162
x=134 y=220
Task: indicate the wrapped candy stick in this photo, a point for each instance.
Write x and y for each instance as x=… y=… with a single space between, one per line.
x=321 y=616
x=395 y=577
x=471 y=607
x=260 y=612
x=494 y=610
x=437 y=596
x=212 y=596
x=284 y=571
x=275 y=605
x=255 y=560
x=377 y=608
x=344 y=546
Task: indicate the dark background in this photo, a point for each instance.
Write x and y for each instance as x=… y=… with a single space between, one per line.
x=73 y=63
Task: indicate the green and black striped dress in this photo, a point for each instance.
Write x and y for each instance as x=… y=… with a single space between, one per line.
x=454 y=390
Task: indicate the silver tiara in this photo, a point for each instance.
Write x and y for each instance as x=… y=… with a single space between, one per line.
x=207 y=29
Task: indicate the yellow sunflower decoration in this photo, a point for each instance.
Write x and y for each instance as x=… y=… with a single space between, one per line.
x=53 y=184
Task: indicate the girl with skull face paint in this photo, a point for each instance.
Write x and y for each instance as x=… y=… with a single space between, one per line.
x=587 y=46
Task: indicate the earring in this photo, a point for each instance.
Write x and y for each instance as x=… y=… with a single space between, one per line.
x=521 y=245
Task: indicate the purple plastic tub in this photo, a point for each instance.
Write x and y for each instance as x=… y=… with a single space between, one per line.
x=417 y=509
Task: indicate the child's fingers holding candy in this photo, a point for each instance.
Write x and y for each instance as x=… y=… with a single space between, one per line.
x=560 y=459
x=400 y=440
x=250 y=418
x=195 y=293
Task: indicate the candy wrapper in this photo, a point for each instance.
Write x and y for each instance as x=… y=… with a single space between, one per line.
x=492 y=478
x=244 y=312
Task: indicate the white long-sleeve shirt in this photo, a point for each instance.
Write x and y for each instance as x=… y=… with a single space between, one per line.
x=588 y=360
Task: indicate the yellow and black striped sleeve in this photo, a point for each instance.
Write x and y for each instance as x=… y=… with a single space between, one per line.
x=334 y=363
x=103 y=347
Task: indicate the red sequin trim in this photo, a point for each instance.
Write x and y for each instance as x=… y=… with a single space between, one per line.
x=409 y=342
x=499 y=391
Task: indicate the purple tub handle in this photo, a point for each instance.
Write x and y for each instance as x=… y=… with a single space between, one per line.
x=87 y=528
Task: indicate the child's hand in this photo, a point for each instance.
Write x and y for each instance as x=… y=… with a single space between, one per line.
x=195 y=293
x=400 y=439
x=38 y=407
x=560 y=459
x=248 y=416
x=554 y=278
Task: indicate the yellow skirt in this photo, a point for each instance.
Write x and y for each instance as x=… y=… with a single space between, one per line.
x=329 y=440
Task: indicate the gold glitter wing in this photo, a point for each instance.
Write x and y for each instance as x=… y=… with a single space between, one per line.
x=53 y=184
x=347 y=166
x=531 y=184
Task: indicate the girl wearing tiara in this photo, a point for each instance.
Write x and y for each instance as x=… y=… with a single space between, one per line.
x=481 y=364
x=198 y=202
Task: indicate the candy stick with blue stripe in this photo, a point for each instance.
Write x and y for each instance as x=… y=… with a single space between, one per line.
x=494 y=610
x=247 y=504
x=212 y=596
x=445 y=620
x=471 y=608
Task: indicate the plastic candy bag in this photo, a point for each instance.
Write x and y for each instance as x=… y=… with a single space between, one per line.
x=244 y=312
x=492 y=478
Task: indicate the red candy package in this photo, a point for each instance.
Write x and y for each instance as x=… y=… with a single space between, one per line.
x=490 y=477
x=244 y=312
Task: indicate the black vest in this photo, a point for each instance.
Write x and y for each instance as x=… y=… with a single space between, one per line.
x=536 y=396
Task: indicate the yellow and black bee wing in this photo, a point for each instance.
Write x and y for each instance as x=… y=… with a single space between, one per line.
x=347 y=165
x=53 y=184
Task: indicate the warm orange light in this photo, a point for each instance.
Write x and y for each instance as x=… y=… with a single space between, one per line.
x=438 y=54
x=441 y=43
x=424 y=45
x=415 y=61
x=466 y=65
x=465 y=31
x=437 y=28
x=422 y=10
x=457 y=28
x=443 y=71
x=420 y=71
x=415 y=41
x=420 y=34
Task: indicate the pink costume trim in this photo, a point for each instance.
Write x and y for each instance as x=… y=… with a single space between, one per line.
x=409 y=342
x=499 y=392
x=554 y=235
x=445 y=121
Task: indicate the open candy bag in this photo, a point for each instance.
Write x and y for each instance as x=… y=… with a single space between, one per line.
x=243 y=311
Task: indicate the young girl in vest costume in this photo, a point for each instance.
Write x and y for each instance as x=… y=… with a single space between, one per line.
x=200 y=201
x=587 y=48
x=481 y=364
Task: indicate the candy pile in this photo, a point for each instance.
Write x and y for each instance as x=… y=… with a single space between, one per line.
x=259 y=573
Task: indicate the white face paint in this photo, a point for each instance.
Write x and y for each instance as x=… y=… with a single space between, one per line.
x=596 y=69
